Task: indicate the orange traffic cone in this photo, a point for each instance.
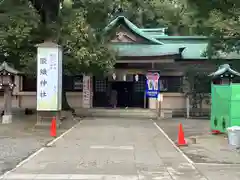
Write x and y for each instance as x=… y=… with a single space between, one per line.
x=181 y=139
x=53 y=128
x=215 y=132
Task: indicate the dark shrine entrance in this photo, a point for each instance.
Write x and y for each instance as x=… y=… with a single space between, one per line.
x=124 y=93
x=130 y=94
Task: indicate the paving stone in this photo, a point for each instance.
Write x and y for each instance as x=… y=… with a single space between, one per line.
x=110 y=149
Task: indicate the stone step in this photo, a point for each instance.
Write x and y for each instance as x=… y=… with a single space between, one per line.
x=122 y=113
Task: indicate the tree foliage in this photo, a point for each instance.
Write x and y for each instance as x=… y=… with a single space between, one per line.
x=18 y=32
x=197 y=86
x=220 y=21
x=175 y=15
x=26 y=24
x=82 y=50
x=76 y=25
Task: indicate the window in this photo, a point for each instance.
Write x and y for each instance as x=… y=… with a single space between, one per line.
x=29 y=83
x=1 y=92
x=69 y=83
x=170 y=83
x=78 y=83
x=100 y=85
x=140 y=85
x=73 y=83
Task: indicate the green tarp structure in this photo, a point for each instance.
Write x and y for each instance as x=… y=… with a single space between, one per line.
x=225 y=100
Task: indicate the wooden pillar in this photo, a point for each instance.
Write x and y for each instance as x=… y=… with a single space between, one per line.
x=145 y=100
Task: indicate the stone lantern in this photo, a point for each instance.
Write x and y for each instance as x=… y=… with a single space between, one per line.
x=7 y=74
x=224 y=75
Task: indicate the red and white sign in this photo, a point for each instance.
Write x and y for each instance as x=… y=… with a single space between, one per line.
x=152 y=81
x=152 y=88
x=86 y=101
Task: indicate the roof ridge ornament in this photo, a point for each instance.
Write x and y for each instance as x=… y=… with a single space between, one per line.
x=224 y=69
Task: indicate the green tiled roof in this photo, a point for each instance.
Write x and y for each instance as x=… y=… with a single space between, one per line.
x=154 y=32
x=185 y=38
x=195 y=47
x=194 y=51
x=161 y=44
x=145 y=50
x=131 y=26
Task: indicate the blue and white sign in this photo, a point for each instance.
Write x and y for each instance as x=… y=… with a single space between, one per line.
x=152 y=84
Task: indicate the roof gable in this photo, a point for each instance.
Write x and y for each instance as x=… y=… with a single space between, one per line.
x=124 y=35
x=121 y=20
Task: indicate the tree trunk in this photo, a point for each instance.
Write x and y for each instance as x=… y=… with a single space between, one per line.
x=201 y=106
x=65 y=104
x=194 y=104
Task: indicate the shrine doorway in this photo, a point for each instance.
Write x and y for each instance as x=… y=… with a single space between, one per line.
x=124 y=93
x=134 y=98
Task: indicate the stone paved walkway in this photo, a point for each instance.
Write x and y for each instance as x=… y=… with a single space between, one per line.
x=211 y=154
x=107 y=149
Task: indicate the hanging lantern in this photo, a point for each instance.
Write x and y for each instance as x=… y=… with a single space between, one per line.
x=114 y=76
x=136 y=77
x=124 y=77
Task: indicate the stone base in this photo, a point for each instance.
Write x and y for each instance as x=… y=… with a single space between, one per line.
x=45 y=124
x=44 y=120
x=6 y=119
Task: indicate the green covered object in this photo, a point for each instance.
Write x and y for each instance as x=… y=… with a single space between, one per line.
x=225 y=105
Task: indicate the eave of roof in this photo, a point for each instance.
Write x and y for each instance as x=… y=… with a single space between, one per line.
x=5 y=67
x=152 y=29
x=160 y=37
x=145 y=50
x=225 y=68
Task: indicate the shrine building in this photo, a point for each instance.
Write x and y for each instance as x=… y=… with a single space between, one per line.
x=138 y=51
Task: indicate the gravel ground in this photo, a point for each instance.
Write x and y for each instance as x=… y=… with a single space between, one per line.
x=19 y=140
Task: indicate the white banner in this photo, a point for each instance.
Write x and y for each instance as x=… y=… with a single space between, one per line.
x=49 y=79
x=86 y=101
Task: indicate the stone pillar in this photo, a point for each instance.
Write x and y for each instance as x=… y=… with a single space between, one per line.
x=188 y=107
x=7 y=117
x=49 y=83
x=152 y=103
x=17 y=83
x=16 y=90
